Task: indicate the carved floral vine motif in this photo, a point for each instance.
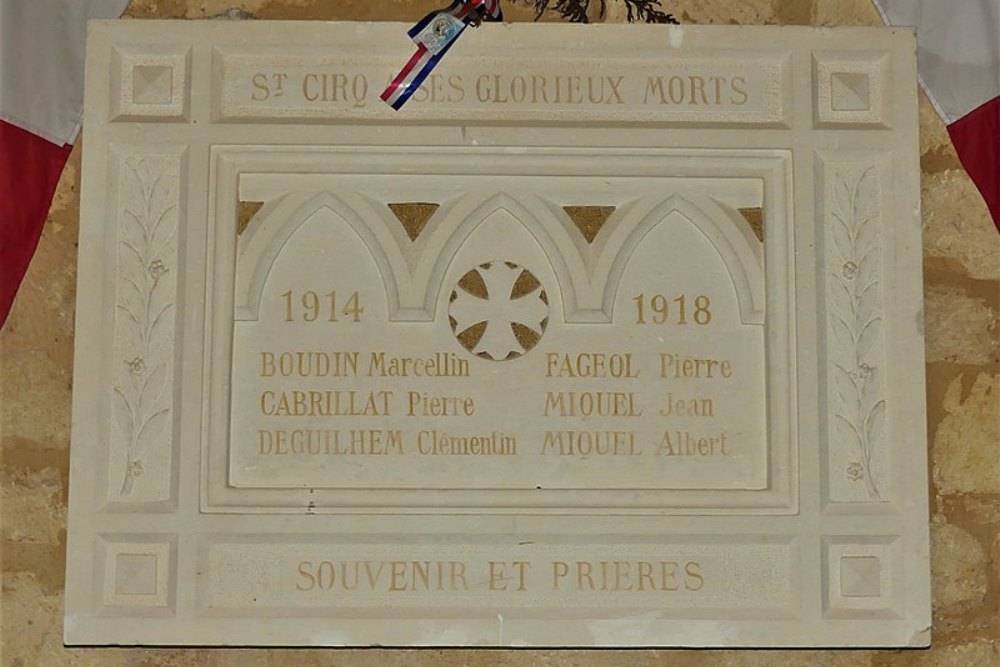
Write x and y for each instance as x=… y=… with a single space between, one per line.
x=144 y=327
x=855 y=308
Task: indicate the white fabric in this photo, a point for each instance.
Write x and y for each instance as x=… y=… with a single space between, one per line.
x=958 y=49
x=41 y=62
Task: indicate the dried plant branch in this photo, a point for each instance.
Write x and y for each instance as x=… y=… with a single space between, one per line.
x=578 y=11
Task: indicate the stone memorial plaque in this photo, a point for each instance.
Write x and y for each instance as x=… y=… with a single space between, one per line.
x=612 y=336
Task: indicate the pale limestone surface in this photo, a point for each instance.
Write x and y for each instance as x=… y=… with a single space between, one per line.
x=41 y=324
x=818 y=524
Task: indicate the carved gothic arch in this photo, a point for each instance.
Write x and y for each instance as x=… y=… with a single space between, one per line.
x=413 y=285
x=258 y=248
x=723 y=227
x=471 y=212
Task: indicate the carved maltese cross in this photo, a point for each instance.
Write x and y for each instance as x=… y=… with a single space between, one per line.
x=498 y=311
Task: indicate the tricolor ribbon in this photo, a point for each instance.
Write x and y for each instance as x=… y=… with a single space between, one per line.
x=434 y=34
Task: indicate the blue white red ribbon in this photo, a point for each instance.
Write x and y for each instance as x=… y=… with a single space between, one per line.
x=434 y=34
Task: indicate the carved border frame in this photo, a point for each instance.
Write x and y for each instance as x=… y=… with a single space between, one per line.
x=771 y=167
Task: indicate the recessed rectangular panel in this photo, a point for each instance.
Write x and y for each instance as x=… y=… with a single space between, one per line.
x=337 y=384
x=297 y=578
x=724 y=86
x=567 y=352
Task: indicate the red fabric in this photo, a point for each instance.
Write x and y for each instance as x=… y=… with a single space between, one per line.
x=976 y=136
x=29 y=171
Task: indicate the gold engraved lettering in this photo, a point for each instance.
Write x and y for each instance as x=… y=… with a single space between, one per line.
x=335 y=87
x=377 y=442
x=329 y=442
x=668 y=576
x=423 y=405
x=688 y=407
x=683 y=443
x=373 y=577
x=421 y=574
x=654 y=85
x=267 y=85
x=440 y=364
x=590 y=365
x=676 y=90
x=585 y=444
x=694 y=581
x=589 y=404
x=675 y=311
x=433 y=90
x=310 y=92
x=435 y=443
x=307 y=580
x=614 y=95
x=437 y=88
x=740 y=95
x=311 y=307
x=309 y=364
x=325 y=403
x=574 y=95
x=559 y=571
x=549 y=89
x=679 y=366
x=695 y=90
x=390 y=576
x=483 y=93
x=262 y=92
x=644 y=574
x=622 y=576
x=698 y=90
x=457 y=89
x=499 y=575
x=625 y=575
x=539 y=89
x=397 y=576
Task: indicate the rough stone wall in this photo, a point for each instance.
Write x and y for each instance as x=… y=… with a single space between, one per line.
x=962 y=283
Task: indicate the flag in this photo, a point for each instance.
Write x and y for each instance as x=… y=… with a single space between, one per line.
x=958 y=57
x=41 y=102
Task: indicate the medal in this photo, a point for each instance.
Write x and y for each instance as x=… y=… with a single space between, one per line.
x=434 y=34
x=439 y=33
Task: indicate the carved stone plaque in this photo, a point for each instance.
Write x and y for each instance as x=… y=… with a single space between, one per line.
x=611 y=337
